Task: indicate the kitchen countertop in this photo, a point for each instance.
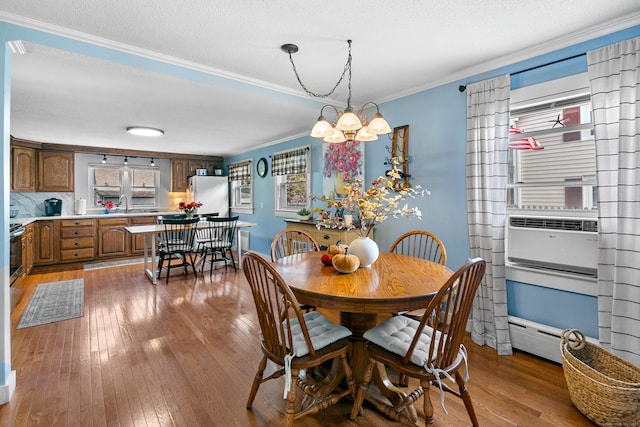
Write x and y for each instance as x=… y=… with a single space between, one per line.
x=29 y=220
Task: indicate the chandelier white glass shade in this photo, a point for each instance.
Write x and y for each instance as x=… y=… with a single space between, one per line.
x=348 y=125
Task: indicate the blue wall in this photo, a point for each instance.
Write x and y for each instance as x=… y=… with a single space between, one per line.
x=437 y=121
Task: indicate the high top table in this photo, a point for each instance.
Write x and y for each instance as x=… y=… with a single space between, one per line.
x=394 y=283
x=151 y=231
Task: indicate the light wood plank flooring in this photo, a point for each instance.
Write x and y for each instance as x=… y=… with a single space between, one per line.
x=185 y=354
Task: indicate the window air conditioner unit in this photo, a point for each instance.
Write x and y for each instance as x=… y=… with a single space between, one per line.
x=567 y=245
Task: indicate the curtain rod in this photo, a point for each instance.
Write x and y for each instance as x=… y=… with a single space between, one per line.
x=462 y=88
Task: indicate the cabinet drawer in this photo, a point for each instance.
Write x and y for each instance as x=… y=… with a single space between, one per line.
x=83 y=242
x=143 y=220
x=327 y=236
x=66 y=233
x=113 y=222
x=71 y=255
x=85 y=222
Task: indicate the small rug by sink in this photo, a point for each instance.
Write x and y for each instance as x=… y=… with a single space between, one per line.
x=53 y=302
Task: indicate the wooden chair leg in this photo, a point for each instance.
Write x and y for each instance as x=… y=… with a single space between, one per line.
x=357 y=404
x=466 y=398
x=257 y=380
x=428 y=406
x=290 y=411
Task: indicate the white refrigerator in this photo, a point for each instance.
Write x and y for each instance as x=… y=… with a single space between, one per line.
x=212 y=192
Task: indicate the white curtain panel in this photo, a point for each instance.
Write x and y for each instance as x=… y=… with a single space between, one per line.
x=614 y=72
x=487 y=141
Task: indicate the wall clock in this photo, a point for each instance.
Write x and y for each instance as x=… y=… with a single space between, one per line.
x=262 y=167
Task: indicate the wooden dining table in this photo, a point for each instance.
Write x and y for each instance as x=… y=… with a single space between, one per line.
x=394 y=283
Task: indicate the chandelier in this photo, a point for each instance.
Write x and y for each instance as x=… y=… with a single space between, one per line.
x=347 y=125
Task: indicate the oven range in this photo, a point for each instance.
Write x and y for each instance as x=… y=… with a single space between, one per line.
x=16 y=231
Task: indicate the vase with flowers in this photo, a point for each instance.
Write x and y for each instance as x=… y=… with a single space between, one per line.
x=370 y=206
x=343 y=162
x=190 y=208
x=107 y=205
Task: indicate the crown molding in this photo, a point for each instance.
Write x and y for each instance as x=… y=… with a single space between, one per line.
x=528 y=53
x=144 y=53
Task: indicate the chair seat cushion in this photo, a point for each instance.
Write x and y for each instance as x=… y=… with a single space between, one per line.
x=396 y=334
x=322 y=332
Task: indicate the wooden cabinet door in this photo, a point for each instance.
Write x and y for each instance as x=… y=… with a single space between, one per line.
x=179 y=175
x=45 y=243
x=23 y=169
x=113 y=239
x=137 y=240
x=55 y=171
x=195 y=164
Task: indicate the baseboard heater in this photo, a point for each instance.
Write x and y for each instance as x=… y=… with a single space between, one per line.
x=536 y=338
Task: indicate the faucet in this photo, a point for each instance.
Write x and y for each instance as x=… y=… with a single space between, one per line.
x=126 y=204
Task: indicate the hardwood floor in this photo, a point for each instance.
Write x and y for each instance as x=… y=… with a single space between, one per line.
x=185 y=354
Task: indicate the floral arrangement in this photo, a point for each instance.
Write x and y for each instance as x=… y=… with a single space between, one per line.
x=343 y=158
x=373 y=205
x=108 y=205
x=189 y=208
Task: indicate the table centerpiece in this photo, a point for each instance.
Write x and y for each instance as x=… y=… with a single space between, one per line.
x=368 y=207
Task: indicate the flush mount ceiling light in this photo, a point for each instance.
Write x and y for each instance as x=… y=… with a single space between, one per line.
x=144 y=131
x=348 y=125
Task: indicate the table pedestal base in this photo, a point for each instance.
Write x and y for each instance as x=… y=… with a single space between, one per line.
x=358 y=324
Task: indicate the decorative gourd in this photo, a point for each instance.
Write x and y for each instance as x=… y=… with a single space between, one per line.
x=345 y=263
x=337 y=248
x=326 y=259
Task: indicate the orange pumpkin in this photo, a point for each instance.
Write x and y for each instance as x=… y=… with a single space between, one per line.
x=337 y=248
x=345 y=263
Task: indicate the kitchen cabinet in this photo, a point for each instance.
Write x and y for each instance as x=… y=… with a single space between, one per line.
x=113 y=239
x=23 y=169
x=178 y=175
x=202 y=164
x=55 y=171
x=137 y=240
x=45 y=239
x=77 y=240
x=325 y=236
x=27 y=249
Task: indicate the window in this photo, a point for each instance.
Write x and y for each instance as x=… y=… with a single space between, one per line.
x=292 y=180
x=139 y=184
x=552 y=151
x=241 y=186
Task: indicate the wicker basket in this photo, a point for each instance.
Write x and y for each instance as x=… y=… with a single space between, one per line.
x=603 y=386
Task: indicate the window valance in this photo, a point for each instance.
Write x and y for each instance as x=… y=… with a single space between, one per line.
x=289 y=162
x=240 y=171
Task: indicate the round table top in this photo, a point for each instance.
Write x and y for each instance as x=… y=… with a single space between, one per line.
x=393 y=283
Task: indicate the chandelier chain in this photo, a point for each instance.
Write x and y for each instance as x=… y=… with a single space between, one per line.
x=347 y=67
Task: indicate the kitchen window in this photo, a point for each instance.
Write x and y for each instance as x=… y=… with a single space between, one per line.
x=552 y=149
x=292 y=181
x=138 y=184
x=241 y=186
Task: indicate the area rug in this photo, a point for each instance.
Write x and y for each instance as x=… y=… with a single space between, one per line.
x=53 y=302
x=113 y=263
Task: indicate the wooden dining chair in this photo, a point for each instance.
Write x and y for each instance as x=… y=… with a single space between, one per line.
x=420 y=244
x=429 y=350
x=175 y=243
x=292 y=241
x=295 y=341
x=215 y=240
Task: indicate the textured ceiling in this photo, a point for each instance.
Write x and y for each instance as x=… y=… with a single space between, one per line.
x=235 y=89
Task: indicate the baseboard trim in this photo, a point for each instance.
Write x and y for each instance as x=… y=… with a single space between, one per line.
x=6 y=390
